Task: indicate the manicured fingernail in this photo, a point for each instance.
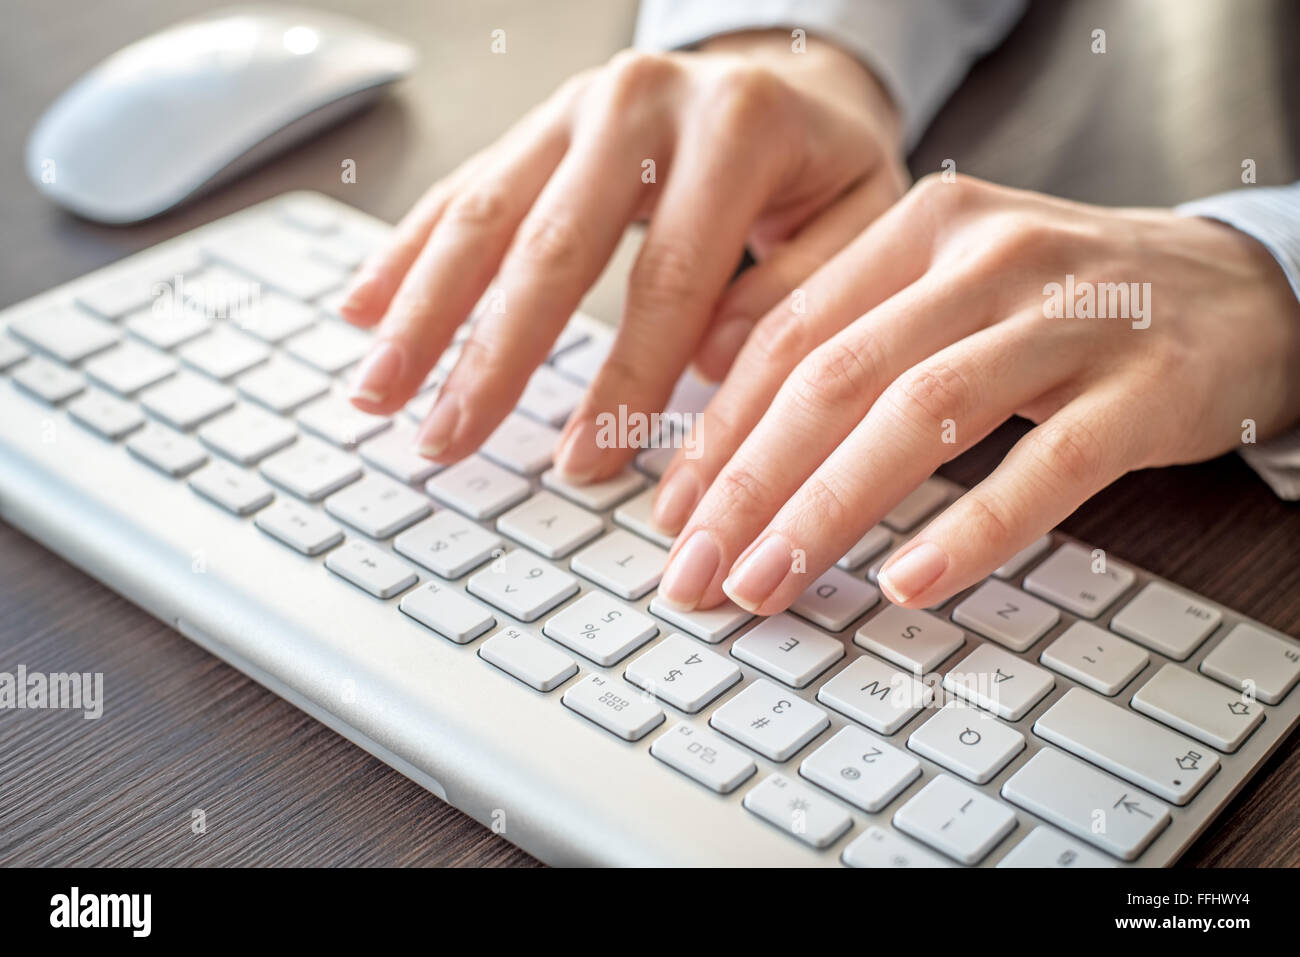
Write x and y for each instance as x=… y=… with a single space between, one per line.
x=580 y=456
x=360 y=294
x=436 y=432
x=692 y=568
x=378 y=371
x=912 y=572
x=675 y=501
x=759 y=573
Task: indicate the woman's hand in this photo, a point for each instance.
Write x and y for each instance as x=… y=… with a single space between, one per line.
x=943 y=319
x=745 y=143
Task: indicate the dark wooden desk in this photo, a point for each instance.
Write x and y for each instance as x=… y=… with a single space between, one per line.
x=1185 y=92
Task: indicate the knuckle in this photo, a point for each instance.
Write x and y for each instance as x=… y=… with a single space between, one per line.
x=837 y=373
x=932 y=392
x=633 y=74
x=1069 y=452
x=664 y=274
x=985 y=519
x=747 y=97
x=743 y=492
x=778 y=335
x=828 y=502
x=480 y=207
x=549 y=245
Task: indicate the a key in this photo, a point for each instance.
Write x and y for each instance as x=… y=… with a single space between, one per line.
x=522 y=585
x=275 y=257
x=549 y=397
x=614 y=706
x=626 y=565
x=798 y=810
x=329 y=346
x=770 y=720
x=967 y=741
x=309 y=215
x=634 y=514
x=166 y=328
x=1072 y=578
x=955 y=819
x=47 y=380
x=524 y=656
x=1254 y=661
x=709 y=624
x=924 y=500
x=447 y=612
x=872 y=693
x=877 y=847
x=596 y=496
x=168 y=451
x=835 y=600
x=1007 y=615
x=64 y=332
x=1128 y=745
x=418 y=409
x=224 y=353
x=788 y=650
x=582 y=362
x=378 y=505
x=1082 y=801
x=393 y=452
x=521 y=445
x=868 y=547
x=447 y=544
x=1199 y=707
x=311 y=469
x=1171 y=622
x=339 y=422
x=234 y=489
x=105 y=414
x=999 y=682
x=1023 y=558
x=186 y=400
x=130 y=367
x=11 y=353
x=478 y=488
x=679 y=671
x=274 y=318
x=654 y=462
x=130 y=287
x=247 y=434
x=569 y=337
x=910 y=638
x=370 y=569
x=1048 y=847
x=282 y=385
x=861 y=769
x=549 y=525
x=299 y=527
x=601 y=628
x=704 y=757
x=1095 y=658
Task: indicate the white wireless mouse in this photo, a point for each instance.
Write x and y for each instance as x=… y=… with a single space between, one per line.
x=201 y=101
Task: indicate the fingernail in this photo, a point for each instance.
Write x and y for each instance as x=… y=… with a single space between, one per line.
x=675 y=501
x=580 y=457
x=360 y=294
x=692 y=568
x=760 y=572
x=378 y=371
x=912 y=572
x=436 y=432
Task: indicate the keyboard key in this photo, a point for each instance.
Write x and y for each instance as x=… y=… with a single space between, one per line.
x=523 y=585
x=601 y=628
x=798 y=810
x=11 y=353
x=1086 y=803
x=614 y=706
x=1172 y=622
x=955 y=819
x=1067 y=578
x=47 y=380
x=274 y=318
x=912 y=639
x=299 y=527
x=1007 y=615
x=169 y=452
x=1253 y=661
x=234 y=489
x=1048 y=847
x=370 y=568
x=999 y=682
x=569 y=337
x=523 y=655
x=64 y=332
x=711 y=624
x=835 y=600
x=186 y=400
x=282 y=385
x=770 y=720
x=393 y=452
x=872 y=693
x=1128 y=745
x=634 y=515
x=311 y=469
x=447 y=612
x=273 y=256
x=1095 y=658
x=967 y=741
x=549 y=525
x=705 y=757
x=877 y=847
x=247 y=434
x=596 y=496
x=622 y=563
x=521 y=445
x=478 y=488
x=224 y=353
x=549 y=397
x=447 y=544
x=105 y=414
x=922 y=502
x=861 y=769
x=1022 y=559
x=679 y=671
x=582 y=362
x=1199 y=707
x=379 y=506
x=339 y=422
x=788 y=650
x=330 y=347
x=868 y=547
x=129 y=368
x=167 y=328
x=418 y=409
x=130 y=286
x=654 y=462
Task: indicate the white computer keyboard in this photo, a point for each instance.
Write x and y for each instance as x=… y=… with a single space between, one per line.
x=493 y=631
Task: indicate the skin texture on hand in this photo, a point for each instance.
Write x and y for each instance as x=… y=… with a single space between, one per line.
x=963 y=305
x=744 y=144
